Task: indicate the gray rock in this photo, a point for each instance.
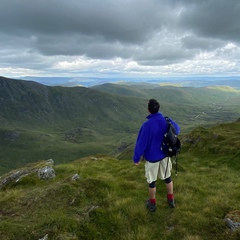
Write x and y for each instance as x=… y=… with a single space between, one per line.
x=43 y=170
x=231 y=224
x=13 y=177
x=44 y=238
x=46 y=172
x=75 y=177
x=50 y=162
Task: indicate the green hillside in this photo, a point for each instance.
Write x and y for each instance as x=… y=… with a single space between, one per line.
x=39 y=122
x=170 y=94
x=107 y=201
x=191 y=107
x=33 y=105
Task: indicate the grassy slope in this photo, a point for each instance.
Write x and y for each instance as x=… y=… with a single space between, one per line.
x=32 y=105
x=190 y=107
x=61 y=123
x=68 y=123
x=171 y=94
x=107 y=202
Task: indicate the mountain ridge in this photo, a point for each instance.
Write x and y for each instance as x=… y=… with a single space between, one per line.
x=42 y=122
x=26 y=99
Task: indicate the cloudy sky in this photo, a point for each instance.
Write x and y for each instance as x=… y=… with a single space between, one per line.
x=129 y=38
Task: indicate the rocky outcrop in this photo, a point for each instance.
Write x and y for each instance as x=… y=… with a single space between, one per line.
x=44 y=170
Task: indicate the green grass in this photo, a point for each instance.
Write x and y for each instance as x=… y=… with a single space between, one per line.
x=107 y=202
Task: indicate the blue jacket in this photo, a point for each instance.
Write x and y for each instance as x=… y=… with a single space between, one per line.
x=150 y=138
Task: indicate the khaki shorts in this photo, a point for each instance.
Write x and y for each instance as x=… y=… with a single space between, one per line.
x=161 y=169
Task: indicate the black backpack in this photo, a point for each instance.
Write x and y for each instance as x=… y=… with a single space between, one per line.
x=171 y=144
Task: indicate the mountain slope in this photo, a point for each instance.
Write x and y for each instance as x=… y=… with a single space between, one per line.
x=220 y=141
x=170 y=94
x=32 y=103
x=189 y=106
x=41 y=122
x=107 y=201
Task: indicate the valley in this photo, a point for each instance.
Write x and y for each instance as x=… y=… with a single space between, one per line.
x=41 y=122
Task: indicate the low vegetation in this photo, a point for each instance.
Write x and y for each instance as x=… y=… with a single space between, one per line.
x=107 y=201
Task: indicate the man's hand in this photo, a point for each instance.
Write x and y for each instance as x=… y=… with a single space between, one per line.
x=137 y=163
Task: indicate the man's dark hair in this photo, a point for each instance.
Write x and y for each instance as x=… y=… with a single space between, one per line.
x=153 y=106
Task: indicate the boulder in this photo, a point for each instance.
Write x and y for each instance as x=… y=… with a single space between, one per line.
x=46 y=172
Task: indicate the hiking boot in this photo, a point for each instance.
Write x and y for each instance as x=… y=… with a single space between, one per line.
x=171 y=203
x=151 y=206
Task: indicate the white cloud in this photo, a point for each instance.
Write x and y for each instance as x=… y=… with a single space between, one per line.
x=128 y=37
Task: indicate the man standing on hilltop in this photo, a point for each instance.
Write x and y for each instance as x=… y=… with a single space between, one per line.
x=148 y=146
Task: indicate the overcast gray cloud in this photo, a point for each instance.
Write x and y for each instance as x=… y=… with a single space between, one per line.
x=128 y=37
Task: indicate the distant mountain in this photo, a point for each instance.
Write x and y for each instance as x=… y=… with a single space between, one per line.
x=171 y=81
x=28 y=103
x=232 y=83
x=41 y=122
x=190 y=106
x=170 y=94
x=125 y=90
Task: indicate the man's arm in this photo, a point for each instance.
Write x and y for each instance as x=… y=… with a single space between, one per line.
x=140 y=146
